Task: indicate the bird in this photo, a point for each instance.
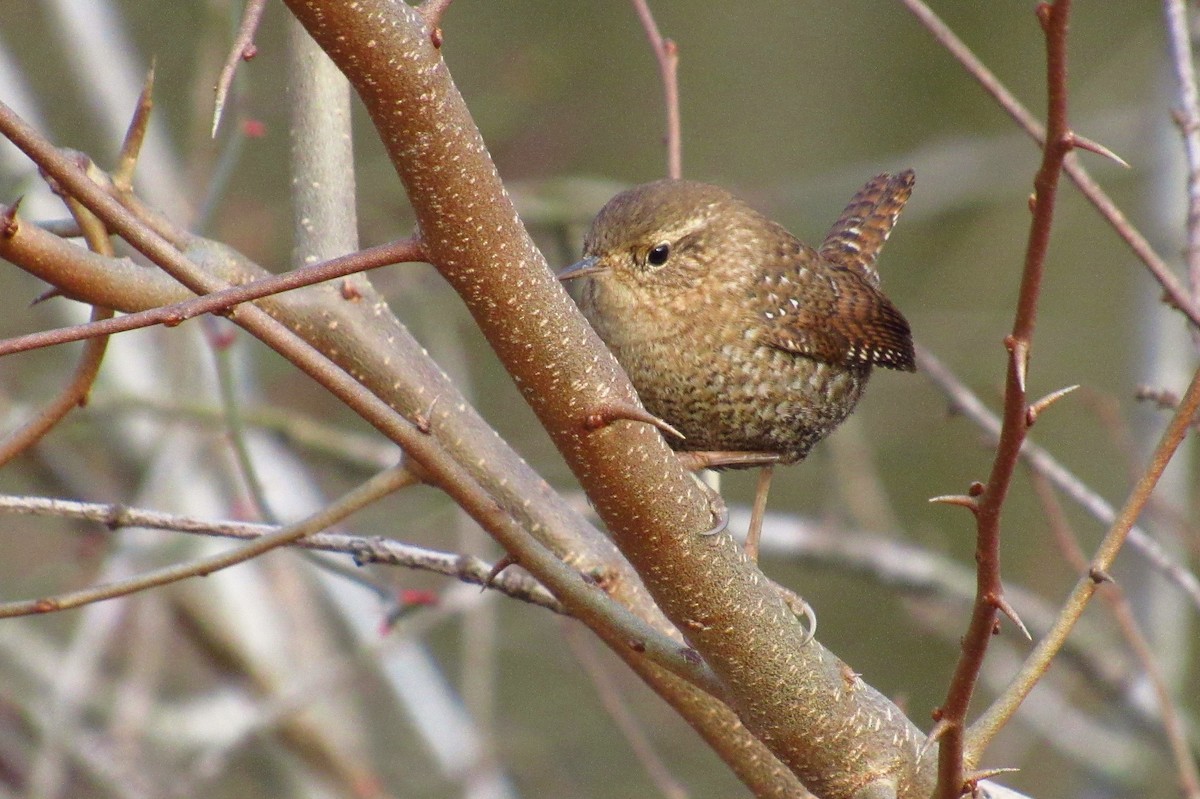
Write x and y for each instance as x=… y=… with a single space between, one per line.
x=750 y=344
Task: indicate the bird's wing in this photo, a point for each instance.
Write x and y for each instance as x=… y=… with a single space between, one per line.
x=837 y=317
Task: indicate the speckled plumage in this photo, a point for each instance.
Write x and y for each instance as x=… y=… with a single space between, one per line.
x=731 y=329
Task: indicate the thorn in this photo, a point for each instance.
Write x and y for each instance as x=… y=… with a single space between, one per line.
x=424 y=421
x=939 y=729
x=1001 y=604
x=608 y=414
x=1019 y=352
x=961 y=500
x=1099 y=576
x=988 y=773
x=850 y=677
x=8 y=219
x=48 y=294
x=1043 y=15
x=1035 y=410
x=135 y=134
x=500 y=565
x=1084 y=143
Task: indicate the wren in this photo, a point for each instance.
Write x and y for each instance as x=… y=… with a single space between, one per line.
x=751 y=344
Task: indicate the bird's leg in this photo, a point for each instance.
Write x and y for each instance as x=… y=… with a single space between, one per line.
x=759 y=510
x=695 y=461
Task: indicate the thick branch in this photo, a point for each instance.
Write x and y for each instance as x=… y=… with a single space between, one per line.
x=839 y=735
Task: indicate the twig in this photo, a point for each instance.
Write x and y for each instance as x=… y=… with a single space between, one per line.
x=1177 y=294
x=1118 y=604
x=364 y=550
x=72 y=395
x=403 y=251
x=953 y=758
x=666 y=53
x=243 y=49
x=983 y=730
x=1187 y=116
x=135 y=135
x=374 y=489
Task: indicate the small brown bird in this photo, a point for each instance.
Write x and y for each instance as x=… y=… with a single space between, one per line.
x=731 y=329
x=751 y=344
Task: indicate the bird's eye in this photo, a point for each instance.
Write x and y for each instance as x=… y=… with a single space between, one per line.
x=658 y=254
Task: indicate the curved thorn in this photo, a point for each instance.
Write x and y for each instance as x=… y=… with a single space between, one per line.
x=608 y=414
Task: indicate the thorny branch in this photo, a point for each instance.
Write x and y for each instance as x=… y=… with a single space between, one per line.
x=953 y=759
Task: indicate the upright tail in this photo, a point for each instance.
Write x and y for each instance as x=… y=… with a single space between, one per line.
x=856 y=238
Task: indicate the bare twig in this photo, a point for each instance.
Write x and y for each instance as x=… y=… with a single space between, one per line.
x=405 y=250
x=96 y=235
x=622 y=629
x=666 y=53
x=364 y=550
x=73 y=395
x=374 y=489
x=243 y=49
x=1187 y=116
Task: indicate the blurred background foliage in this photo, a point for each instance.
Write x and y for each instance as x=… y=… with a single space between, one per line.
x=794 y=105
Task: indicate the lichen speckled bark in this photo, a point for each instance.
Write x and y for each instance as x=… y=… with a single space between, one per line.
x=840 y=736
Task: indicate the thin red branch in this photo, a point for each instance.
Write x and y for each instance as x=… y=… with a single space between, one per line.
x=1177 y=294
x=964 y=401
x=666 y=53
x=72 y=396
x=243 y=49
x=983 y=730
x=952 y=770
x=403 y=251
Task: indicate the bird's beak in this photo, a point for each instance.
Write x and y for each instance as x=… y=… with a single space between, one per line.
x=585 y=266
